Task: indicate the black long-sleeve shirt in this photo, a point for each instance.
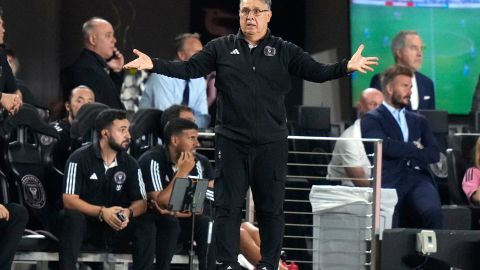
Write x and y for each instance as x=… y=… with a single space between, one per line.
x=252 y=83
x=7 y=80
x=91 y=70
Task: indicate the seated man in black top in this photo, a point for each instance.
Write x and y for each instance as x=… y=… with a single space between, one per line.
x=162 y=165
x=104 y=197
x=79 y=96
x=13 y=219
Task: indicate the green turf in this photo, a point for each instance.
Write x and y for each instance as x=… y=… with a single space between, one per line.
x=451 y=58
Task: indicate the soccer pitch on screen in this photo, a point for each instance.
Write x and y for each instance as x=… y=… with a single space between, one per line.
x=450 y=33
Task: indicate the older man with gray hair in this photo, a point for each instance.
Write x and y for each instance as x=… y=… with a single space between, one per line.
x=254 y=71
x=161 y=91
x=407 y=50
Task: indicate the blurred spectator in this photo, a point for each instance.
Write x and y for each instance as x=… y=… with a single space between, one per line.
x=162 y=92
x=407 y=49
x=351 y=153
x=471 y=179
x=177 y=111
x=63 y=148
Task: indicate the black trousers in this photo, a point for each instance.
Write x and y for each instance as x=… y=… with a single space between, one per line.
x=171 y=230
x=168 y=231
x=11 y=232
x=262 y=167
x=79 y=230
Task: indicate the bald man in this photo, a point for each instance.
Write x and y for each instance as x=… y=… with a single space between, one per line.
x=79 y=96
x=99 y=66
x=351 y=153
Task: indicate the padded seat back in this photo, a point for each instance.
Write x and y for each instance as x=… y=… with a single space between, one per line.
x=315 y=122
x=27 y=163
x=456 y=170
x=83 y=127
x=146 y=130
x=438 y=122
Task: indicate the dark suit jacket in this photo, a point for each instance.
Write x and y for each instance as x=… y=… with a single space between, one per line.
x=91 y=70
x=426 y=91
x=400 y=156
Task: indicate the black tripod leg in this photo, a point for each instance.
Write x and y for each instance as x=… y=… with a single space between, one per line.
x=191 y=253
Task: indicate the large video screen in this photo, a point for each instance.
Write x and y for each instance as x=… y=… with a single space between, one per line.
x=450 y=31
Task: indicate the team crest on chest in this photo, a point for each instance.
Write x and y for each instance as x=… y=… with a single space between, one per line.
x=119 y=178
x=269 y=51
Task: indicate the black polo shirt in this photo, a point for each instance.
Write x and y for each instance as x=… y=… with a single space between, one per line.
x=85 y=175
x=159 y=169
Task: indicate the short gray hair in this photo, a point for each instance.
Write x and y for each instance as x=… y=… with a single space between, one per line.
x=268 y=2
x=180 y=40
x=89 y=25
x=398 y=41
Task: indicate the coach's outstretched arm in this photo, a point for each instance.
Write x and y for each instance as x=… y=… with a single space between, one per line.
x=356 y=63
x=360 y=63
x=143 y=62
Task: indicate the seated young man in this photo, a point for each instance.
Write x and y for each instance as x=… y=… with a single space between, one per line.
x=104 y=197
x=162 y=165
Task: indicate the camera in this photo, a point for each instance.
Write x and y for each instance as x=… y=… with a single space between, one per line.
x=121 y=216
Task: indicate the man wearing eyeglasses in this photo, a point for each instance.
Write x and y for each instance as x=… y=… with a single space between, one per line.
x=407 y=50
x=254 y=70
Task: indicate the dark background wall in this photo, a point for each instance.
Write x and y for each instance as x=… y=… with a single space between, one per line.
x=33 y=32
x=46 y=34
x=327 y=26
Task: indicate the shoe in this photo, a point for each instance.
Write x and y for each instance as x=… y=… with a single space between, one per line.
x=227 y=266
x=264 y=266
x=245 y=263
x=283 y=256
